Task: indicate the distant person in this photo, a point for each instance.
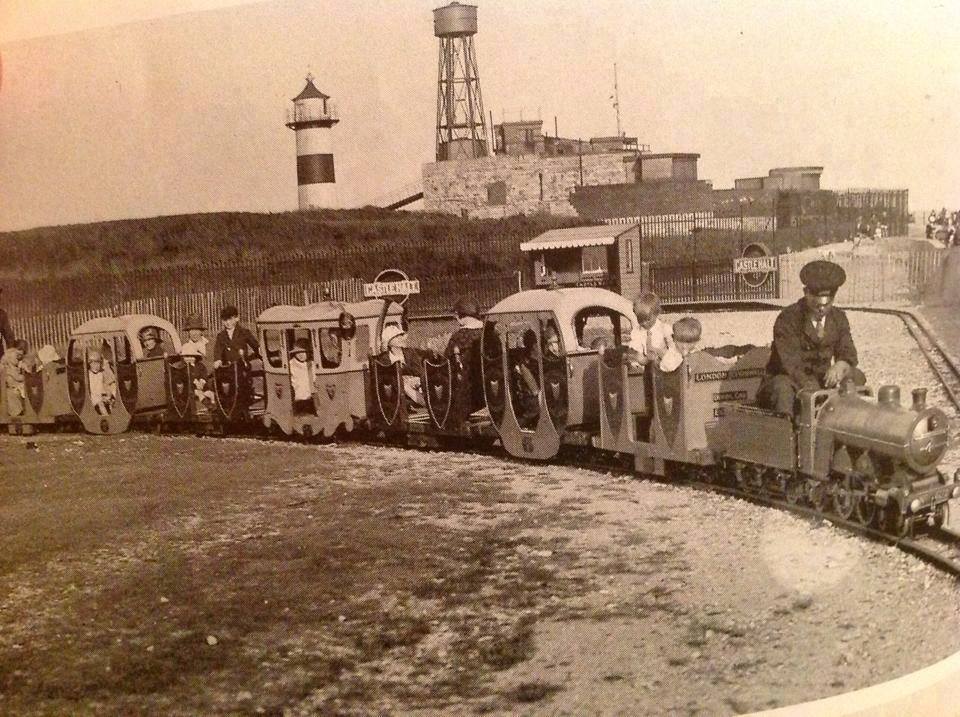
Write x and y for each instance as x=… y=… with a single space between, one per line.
x=6 y=331
x=812 y=345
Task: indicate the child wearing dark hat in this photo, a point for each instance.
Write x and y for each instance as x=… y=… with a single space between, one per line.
x=812 y=345
x=152 y=346
x=234 y=343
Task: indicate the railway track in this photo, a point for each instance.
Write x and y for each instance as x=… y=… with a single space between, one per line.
x=938 y=359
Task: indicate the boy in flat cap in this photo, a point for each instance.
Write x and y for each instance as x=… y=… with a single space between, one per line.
x=812 y=345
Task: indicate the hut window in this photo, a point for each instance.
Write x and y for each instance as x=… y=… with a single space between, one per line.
x=594 y=259
x=497 y=193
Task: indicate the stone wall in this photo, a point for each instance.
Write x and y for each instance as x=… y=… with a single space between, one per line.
x=633 y=200
x=532 y=184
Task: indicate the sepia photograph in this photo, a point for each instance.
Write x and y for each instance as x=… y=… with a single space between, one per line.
x=495 y=357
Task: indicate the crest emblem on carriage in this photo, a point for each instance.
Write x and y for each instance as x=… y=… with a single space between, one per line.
x=613 y=400
x=555 y=390
x=526 y=443
x=127 y=385
x=494 y=385
x=669 y=388
x=76 y=386
x=386 y=382
x=34 y=383
x=439 y=379
x=278 y=391
x=227 y=379
x=178 y=376
x=331 y=390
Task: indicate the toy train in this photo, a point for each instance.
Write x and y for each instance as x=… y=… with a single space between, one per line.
x=863 y=457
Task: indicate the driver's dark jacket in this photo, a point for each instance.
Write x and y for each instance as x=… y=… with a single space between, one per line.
x=800 y=354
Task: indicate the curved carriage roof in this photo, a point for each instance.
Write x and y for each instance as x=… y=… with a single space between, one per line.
x=130 y=324
x=565 y=303
x=325 y=311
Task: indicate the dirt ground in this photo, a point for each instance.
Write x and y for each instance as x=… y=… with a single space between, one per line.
x=158 y=575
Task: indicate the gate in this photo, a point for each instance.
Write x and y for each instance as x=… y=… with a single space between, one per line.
x=691 y=257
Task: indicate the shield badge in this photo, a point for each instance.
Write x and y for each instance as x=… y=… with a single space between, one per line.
x=611 y=387
x=555 y=376
x=386 y=377
x=669 y=390
x=178 y=388
x=76 y=386
x=127 y=385
x=438 y=377
x=331 y=390
x=493 y=387
x=34 y=381
x=278 y=391
x=226 y=389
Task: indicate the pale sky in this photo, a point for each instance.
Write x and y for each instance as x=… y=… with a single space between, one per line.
x=112 y=109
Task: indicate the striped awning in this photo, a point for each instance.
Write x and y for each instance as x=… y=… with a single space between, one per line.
x=604 y=235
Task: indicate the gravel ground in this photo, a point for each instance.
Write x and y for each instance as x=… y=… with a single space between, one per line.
x=240 y=576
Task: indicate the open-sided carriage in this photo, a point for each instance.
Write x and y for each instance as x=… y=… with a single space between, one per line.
x=45 y=402
x=541 y=360
x=338 y=339
x=429 y=397
x=113 y=380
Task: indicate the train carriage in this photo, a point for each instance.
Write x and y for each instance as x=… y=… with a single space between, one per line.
x=45 y=403
x=340 y=338
x=135 y=383
x=540 y=363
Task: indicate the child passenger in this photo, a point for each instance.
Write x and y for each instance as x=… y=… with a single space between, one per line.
x=394 y=339
x=652 y=337
x=101 y=383
x=14 y=382
x=196 y=345
x=300 y=378
x=686 y=334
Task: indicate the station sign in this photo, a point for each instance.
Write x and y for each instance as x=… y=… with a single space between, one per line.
x=755 y=265
x=393 y=284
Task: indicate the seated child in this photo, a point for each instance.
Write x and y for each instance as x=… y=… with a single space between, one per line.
x=13 y=367
x=203 y=396
x=527 y=371
x=101 y=382
x=652 y=337
x=394 y=339
x=686 y=334
x=150 y=340
x=300 y=379
x=196 y=344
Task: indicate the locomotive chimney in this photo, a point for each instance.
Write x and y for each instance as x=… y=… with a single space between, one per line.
x=889 y=395
x=919 y=399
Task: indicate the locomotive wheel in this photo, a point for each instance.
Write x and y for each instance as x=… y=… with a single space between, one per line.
x=844 y=499
x=754 y=476
x=895 y=522
x=866 y=507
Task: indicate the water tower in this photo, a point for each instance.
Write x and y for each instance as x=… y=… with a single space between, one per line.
x=461 y=130
x=311 y=118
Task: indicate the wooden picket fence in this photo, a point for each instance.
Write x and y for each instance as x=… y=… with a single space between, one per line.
x=898 y=276
x=54 y=328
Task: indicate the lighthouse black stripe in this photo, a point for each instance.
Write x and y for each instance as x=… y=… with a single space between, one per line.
x=315 y=169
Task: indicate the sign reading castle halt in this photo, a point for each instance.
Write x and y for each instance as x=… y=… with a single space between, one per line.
x=379 y=289
x=754 y=264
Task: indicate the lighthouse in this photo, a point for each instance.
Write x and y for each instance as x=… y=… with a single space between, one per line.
x=311 y=118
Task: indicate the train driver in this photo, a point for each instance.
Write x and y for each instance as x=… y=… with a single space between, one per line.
x=812 y=345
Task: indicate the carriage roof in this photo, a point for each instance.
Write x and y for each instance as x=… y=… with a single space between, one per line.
x=565 y=303
x=325 y=311
x=129 y=324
